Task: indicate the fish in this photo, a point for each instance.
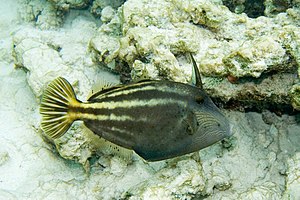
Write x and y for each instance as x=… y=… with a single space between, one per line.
x=157 y=119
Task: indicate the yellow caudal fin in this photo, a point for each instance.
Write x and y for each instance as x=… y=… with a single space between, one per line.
x=56 y=100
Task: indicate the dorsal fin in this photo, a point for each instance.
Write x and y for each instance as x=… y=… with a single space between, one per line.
x=102 y=86
x=145 y=80
x=196 y=78
x=105 y=86
x=104 y=90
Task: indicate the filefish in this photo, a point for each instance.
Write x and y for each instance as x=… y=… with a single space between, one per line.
x=157 y=119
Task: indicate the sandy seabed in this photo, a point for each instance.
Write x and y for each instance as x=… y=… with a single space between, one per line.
x=261 y=160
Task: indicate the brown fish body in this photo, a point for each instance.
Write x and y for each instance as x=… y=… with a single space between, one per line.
x=156 y=119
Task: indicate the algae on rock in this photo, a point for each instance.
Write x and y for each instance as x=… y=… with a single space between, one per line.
x=41 y=13
x=257 y=56
x=154 y=43
x=68 y=4
x=50 y=14
x=295 y=96
x=98 y=6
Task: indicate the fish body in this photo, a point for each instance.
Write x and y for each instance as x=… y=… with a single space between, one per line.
x=156 y=119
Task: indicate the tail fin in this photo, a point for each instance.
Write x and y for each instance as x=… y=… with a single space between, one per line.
x=55 y=103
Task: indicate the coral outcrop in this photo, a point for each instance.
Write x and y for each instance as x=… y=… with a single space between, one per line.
x=154 y=43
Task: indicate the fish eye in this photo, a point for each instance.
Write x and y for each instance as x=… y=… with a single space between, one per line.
x=199 y=99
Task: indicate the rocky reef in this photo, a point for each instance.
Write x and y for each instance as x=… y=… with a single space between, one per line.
x=254 y=52
x=153 y=43
x=247 y=52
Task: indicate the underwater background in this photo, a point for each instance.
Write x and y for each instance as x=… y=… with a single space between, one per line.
x=248 y=52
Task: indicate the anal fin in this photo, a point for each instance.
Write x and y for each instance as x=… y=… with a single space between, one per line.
x=106 y=147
